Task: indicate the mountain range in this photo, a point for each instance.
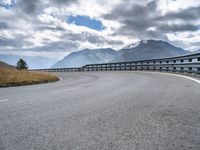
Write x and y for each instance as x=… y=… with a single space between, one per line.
x=142 y=50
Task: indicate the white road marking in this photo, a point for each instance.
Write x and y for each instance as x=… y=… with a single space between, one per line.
x=182 y=76
x=66 y=90
x=3 y=100
x=61 y=79
x=190 y=78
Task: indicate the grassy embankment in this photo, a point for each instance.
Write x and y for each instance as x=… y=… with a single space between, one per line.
x=14 y=77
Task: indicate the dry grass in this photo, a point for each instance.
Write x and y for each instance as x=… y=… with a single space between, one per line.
x=14 y=77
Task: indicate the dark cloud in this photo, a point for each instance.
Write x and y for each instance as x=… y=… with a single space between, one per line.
x=145 y=20
x=29 y=6
x=196 y=44
x=17 y=42
x=177 y=28
x=63 y=1
x=134 y=12
x=3 y=25
x=87 y=37
x=54 y=46
x=115 y=42
x=188 y=14
x=52 y=28
x=136 y=19
x=9 y=42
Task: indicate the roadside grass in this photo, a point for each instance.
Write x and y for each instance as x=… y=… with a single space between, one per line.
x=13 y=77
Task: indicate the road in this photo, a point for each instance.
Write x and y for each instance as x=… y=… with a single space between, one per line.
x=102 y=111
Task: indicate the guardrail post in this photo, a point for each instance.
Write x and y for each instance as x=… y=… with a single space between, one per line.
x=198 y=70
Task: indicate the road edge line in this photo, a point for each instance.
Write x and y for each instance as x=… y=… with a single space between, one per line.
x=182 y=76
x=61 y=79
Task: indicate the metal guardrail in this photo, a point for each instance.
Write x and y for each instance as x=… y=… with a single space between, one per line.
x=181 y=64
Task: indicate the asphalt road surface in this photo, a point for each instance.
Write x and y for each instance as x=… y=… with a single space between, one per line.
x=102 y=111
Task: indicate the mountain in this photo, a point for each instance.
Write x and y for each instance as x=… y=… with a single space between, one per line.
x=87 y=56
x=133 y=45
x=149 y=49
x=5 y=65
x=197 y=51
x=36 y=62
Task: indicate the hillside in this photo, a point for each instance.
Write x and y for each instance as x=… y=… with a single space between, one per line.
x=149 y=49
x=87 y=56
x=198 y=51
x=13 y=77
x=5 y=65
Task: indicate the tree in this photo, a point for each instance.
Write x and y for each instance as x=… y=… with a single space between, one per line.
x=22 y=65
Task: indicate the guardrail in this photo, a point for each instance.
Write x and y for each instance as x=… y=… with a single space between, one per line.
x=182 y=64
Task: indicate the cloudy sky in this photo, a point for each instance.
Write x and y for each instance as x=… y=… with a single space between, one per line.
x=54 y=28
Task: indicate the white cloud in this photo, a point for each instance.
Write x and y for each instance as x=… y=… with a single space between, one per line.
x=176 y=5
x=47 y=27
x=9 y=2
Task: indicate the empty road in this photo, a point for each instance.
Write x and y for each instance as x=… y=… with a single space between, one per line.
x=102 y=111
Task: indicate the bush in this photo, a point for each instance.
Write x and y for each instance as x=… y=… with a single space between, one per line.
x=22 y=65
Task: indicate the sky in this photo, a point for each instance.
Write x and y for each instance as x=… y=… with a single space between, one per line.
x=55 y=28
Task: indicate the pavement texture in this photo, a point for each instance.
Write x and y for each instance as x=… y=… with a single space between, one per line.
x=102 y=111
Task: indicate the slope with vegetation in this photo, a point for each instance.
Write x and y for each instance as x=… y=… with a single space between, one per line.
x=5 y=65
x=10 y=76
x=14 y=77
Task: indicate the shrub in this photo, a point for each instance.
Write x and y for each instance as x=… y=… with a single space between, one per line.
x=22 y=65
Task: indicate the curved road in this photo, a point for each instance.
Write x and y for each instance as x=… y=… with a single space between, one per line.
x=103 y=111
